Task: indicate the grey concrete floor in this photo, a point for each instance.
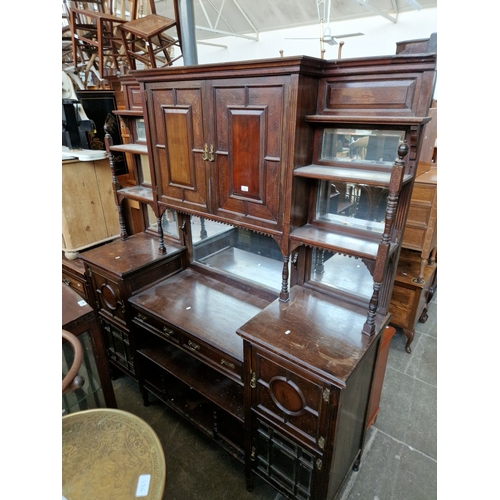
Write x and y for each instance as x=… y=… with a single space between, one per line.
x=400 y=456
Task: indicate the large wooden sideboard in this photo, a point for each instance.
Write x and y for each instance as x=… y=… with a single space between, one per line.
x=236 y=323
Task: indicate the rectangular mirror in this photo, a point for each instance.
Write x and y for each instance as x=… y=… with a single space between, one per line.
x=241 y=253
x=145 y=172
x=168 y=222
x=352 y=205
x=140 y=130
x=340 y=272
x=361 y=146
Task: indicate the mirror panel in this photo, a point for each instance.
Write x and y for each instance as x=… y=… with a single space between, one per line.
x=361 y=146
x=355 y=205
x=244 y=254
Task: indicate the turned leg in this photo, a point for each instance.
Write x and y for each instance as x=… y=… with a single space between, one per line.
x=249 y=479
x=409 y=336
x=432 y=258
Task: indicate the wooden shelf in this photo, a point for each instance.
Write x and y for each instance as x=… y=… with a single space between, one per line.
x=141 y=149
x=400 y=121
x=139 y=193
x=364 y=247
x=222 y=391
x=348 y=174
x=128 y=112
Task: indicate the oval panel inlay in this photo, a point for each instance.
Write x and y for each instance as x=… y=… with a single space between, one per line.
x=109 y=297
x=287 y=396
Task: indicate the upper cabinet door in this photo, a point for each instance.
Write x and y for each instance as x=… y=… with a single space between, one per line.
x=247 y=137
x=178 y=144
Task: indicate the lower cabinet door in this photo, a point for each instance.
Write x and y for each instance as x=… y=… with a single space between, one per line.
x=284 y=463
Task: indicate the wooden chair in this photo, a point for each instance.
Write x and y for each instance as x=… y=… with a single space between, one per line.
x=150 y=39
x=96 y=43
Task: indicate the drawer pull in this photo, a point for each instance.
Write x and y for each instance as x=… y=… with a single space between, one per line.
x=167 y=331
x=67 y=281
x=227 y=363
x=142 y=317
x=193 y=346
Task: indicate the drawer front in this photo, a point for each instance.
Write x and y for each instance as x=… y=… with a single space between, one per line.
x=204 y=351
x=297 y=404
x=422 y=192
x=419 y=212
x=404 y=306
x=212 y=356
x=156 y=326
x=414 y=237
x=77 y=284
x=108 y=297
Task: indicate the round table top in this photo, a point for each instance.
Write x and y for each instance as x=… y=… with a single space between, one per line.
x=110 y=454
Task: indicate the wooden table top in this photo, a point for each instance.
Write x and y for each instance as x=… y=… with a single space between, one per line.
x=74 y=307
x=110 y=454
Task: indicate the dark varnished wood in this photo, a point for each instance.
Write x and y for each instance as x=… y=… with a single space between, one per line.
x=118 y=270
x=312 y=382
x=240 y=143
x=202 y=306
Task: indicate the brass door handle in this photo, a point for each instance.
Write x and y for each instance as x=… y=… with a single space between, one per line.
x=205 y=153
x=211 y=153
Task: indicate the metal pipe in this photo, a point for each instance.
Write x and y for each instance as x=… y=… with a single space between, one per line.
x=188 y=37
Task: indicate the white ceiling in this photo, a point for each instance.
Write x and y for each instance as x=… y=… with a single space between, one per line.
x=216 y=18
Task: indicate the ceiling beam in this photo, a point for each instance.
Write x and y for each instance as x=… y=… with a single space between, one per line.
x=365 y=4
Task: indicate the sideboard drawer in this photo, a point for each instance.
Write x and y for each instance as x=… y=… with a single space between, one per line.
x=211 y=355
x=78 y=285
x=156 y=326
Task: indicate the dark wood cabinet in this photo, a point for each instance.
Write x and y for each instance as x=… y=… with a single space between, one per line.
x=225 y=139
x=272 y=350
x=116 y=271
x=307 y=393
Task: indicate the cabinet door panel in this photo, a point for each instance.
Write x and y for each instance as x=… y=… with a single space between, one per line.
x=248 y=151
x=178 y=146
x=289 y=400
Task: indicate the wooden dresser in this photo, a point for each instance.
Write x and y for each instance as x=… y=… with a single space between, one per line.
x=262 y=323
x=421 y=224
x=411 y=294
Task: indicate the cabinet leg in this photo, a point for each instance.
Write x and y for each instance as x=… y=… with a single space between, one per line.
x=409 y=339
x=355 y=467
x=249 y=479
x=145 y=397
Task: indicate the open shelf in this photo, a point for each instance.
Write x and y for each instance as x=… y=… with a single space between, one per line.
x=139 y=193
x=220 y=390
x=316 y=236
x=128 y=112
x=402 y=121
x=347 y=174
x=141 y=149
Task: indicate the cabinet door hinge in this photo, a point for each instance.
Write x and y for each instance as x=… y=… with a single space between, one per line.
x=145 y=96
